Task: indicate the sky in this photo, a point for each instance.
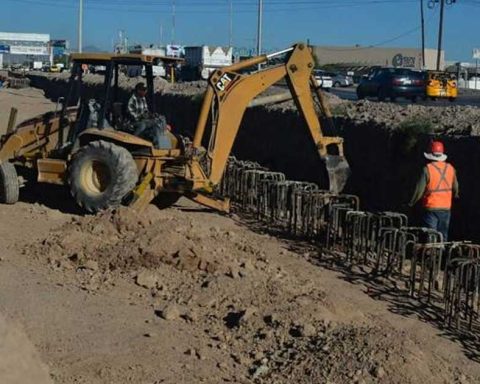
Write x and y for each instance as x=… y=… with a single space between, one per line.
x=387 y=23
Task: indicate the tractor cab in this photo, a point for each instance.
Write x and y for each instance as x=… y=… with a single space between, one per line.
x=106 y=112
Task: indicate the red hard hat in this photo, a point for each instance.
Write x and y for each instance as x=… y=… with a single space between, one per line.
x=437 y=147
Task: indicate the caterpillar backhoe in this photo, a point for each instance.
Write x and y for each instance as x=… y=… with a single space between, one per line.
x=89 y=146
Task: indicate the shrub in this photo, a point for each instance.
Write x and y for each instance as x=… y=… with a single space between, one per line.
x=411 y=130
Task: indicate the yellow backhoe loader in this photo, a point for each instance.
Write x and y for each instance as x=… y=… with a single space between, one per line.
x=89 y=145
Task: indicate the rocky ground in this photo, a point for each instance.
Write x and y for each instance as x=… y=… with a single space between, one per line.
x=186 y=295
x=451 y=120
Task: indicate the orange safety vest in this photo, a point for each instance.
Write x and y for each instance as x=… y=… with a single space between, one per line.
x=438 y=194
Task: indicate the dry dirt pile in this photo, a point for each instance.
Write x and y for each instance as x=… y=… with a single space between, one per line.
x=455 y=119
x=128 y=83
x=248 y=297
x=120 y=241
x=28 y=101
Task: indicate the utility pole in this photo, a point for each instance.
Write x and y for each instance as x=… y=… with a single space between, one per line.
x=161 y=33
x=259 y=29
x=440 y=34
x=423 y=33
x=230 y=38
x=173 y=22
x=80 y=26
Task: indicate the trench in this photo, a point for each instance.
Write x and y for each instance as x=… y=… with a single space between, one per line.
x=384 y=166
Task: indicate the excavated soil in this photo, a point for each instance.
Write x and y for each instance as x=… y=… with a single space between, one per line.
x=450 y=120
x=186 y=295
x=266 y=309
x=29 y=102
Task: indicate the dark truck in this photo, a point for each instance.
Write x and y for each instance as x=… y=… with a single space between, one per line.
x=392 y=83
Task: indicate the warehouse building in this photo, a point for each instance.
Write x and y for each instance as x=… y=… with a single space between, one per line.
x=21 y=48
x=363 y=57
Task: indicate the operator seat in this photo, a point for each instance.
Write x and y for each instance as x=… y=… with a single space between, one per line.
x=120 y=121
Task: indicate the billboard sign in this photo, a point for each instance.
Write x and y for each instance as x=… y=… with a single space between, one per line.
x=28 y=50
x=175 y=50
x=476 y=53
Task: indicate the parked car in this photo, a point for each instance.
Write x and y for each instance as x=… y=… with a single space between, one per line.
x=340 y=80
x=323 y=80
x=392 y=83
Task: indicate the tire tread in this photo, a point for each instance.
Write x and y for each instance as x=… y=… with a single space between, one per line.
x=126 y=179
x=9 y=187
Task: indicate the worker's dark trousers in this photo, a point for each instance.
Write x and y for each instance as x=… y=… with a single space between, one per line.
x=149 y=127
x=438 y=220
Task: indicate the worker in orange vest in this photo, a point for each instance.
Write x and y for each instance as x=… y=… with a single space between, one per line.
x=436 y=187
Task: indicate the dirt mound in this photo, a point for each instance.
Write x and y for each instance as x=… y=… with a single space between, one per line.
x=19 y=362
x=455 y=119
x=122 y=241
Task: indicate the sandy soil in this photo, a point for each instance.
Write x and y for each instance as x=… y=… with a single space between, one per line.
x=30 y=102
x=186 y=295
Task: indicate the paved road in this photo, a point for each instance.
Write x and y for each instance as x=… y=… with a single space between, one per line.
x=465 y=98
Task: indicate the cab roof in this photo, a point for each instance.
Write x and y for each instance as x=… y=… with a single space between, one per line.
x=100 y=58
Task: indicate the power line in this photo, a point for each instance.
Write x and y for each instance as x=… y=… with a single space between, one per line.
x=149 y=7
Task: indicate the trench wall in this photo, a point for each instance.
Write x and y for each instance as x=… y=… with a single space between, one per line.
x=384 y=169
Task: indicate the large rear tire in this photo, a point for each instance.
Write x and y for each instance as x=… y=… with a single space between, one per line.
x=9 y=186
x=101 y=174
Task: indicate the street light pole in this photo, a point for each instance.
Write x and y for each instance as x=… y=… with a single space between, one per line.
x=423 y=33
x=230 y=39
x=259 y=29
x=80 y=26
x=173 y=22
x=440 y=34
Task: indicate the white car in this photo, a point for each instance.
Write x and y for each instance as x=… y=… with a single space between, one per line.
x=324 y=81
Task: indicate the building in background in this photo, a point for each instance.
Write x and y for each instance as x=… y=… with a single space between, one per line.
x=356 y=58
x=23 y=48
x=59 y=50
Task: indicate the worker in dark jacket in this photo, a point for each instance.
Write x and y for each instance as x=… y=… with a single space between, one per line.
x=436 y=187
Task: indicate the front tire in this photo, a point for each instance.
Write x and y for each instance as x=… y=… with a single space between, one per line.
x=381 y=94
x=101 y=174
x=9 y=186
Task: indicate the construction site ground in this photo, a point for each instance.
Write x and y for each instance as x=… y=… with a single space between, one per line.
x=185 y=295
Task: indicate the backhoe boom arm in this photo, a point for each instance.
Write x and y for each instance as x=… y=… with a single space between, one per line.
x=229 y=93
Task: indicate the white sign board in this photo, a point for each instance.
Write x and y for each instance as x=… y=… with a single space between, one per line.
x=37 y=37
x=28 y=50
x=476 y=53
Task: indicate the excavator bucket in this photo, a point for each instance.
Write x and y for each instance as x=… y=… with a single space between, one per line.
x=338 y=172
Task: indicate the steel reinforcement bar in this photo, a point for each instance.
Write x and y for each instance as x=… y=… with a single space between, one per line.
x=433 y=271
